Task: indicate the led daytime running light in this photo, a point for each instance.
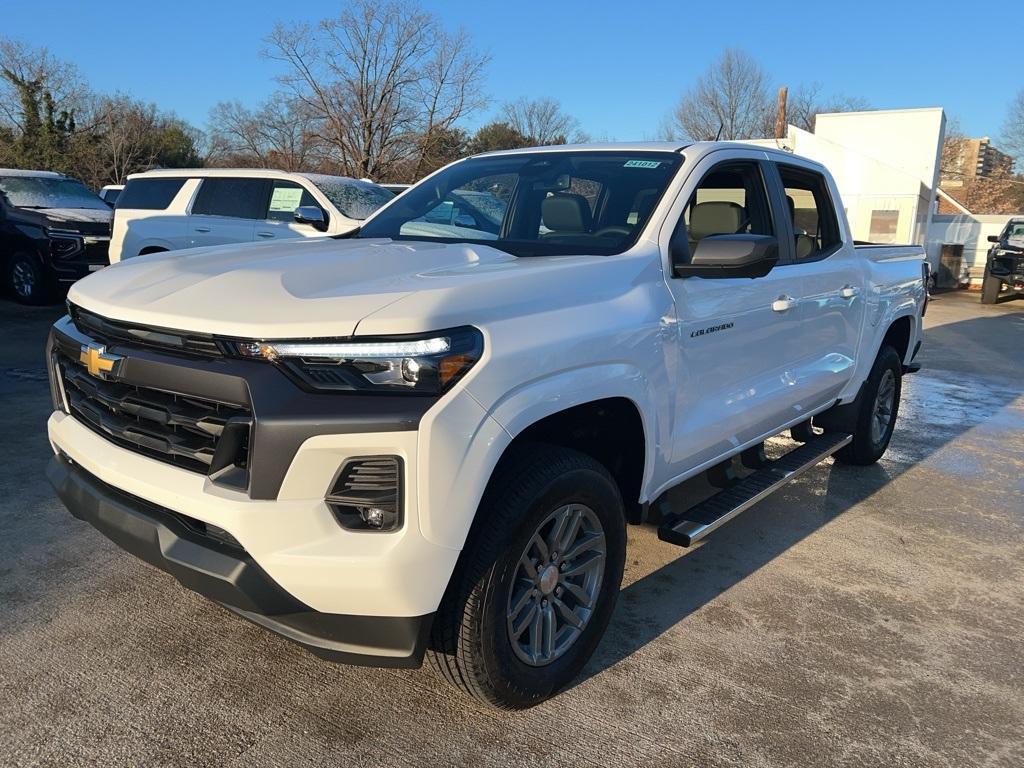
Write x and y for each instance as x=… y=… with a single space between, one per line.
x=354 y=351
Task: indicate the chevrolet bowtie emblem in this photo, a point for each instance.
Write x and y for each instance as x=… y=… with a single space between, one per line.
x=97 y=360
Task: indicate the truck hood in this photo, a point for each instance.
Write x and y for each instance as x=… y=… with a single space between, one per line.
x=299 y=289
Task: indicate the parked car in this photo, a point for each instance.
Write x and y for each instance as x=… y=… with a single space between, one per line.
x=1004 y=268
x=110 y=193
x=170 y=209
x=414 y=442
x=53 y=231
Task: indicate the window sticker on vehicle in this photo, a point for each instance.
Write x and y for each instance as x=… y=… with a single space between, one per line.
x=641 y=164
x=285 y=199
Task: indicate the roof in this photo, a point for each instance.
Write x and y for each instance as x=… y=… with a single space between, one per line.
x=37 y=174
x=613 y=146
x=262 y=173
x=693 y=150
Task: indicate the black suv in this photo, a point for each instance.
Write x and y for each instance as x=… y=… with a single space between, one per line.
x=1005 y=265
x=53 y=231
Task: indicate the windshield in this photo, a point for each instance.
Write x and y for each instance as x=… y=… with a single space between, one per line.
x=42 y=192
x=534 y=204
x=354 y=198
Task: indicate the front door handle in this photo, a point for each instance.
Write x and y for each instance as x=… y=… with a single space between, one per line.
x=849 y=291
x=202 y=229
x=783 y=304
x=264 y=234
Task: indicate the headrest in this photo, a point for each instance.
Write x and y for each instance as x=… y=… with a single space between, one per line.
x=715 y=217
x=566 y=212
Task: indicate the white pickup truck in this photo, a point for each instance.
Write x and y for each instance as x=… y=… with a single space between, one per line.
x=427 y=438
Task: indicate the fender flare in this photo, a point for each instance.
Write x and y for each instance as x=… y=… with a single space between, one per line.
x=452 y=501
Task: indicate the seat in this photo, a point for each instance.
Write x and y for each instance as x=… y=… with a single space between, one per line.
x=715 y=217
x=565 y=214
x=805 y=244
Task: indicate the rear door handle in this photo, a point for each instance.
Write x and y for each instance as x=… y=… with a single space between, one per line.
x=202 y=229
x=264 y=234
x=783 y=304
x=849 y=291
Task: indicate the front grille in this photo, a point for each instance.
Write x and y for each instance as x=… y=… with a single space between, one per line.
x=109 y=332
x=97 y=251
x=1007 y=265
x=189 y=432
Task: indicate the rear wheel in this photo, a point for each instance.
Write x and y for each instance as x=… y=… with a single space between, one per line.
x=538 y=580
x=878 y=406
x=990 y=288
x=25 y=279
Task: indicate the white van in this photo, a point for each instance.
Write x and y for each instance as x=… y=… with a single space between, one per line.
x=169 y=209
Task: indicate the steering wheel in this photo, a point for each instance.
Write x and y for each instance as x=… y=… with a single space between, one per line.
x=613 y=231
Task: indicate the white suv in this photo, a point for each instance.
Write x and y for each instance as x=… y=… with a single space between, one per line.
x=169 y=209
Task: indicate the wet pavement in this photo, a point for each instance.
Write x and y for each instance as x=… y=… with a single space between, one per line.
x=861 y=616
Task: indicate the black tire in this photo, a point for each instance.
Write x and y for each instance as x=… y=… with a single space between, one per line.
x=868 y=445
x=990 y=289
x=471 y=646
x=25 y=281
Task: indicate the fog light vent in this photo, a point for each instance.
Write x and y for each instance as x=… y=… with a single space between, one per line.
x=367 y=495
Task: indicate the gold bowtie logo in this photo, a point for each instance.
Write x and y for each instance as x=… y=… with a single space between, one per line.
x=97 y=360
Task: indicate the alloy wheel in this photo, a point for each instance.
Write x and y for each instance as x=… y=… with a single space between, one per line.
x=885 y=404
x=556 y=585
x=23 y=279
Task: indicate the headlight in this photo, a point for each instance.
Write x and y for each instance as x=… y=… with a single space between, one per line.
x=428 y=364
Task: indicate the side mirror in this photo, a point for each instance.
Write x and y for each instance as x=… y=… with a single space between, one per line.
x=310 y=214
x=993 y=238
x=728 y=256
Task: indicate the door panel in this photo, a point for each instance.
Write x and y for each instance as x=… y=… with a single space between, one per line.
x=736 y=355
x=219 y=230
x=830 y=277
x=737 y=336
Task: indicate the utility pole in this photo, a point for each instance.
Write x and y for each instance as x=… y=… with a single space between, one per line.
x=780 y=114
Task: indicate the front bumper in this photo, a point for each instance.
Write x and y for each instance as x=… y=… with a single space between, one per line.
x=223 y=571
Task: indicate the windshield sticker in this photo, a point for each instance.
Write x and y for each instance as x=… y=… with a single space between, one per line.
x=641 y=164
x=285 y=199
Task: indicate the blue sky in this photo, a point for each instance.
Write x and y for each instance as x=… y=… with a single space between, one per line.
x=618 y=67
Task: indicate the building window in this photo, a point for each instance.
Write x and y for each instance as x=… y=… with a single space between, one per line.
x=884 y=225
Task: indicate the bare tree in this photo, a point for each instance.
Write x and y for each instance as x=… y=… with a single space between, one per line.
x=378 y=78
x=542 y=121
x=281 y=133
x=953 y=147
x=450 y=89
x=729 y=100
x=1012 y=138
x=807 y=102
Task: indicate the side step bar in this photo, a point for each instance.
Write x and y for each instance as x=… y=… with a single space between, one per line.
x=694 y=524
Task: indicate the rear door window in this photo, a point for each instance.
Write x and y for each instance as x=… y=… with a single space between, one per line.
x=233 y=198
x=815 y=228
x=148 y=194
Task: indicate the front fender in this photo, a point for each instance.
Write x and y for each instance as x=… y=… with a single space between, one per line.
x=462 y=443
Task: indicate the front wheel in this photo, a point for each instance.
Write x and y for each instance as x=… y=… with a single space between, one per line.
x=538 y=580
x=25 y=279
x=878 y=406
x=990 y=288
